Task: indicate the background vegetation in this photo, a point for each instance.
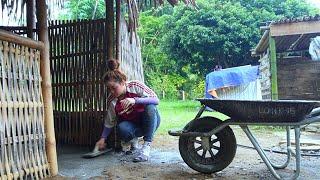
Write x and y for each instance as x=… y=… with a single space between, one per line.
x=181 y=44
x=176 y=114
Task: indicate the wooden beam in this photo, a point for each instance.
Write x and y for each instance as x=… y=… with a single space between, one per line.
x=295 y=28
x=273 y=66
x=260 y=48
x=118 y=15
x=30 y=18
x=46 y=87
x=296 y=42
x=110 y=27
x=10 y=37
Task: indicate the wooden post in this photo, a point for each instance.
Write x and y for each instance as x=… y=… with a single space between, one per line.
x=118 y=15
x=273 y=66
x=30 y=18
x=183 y=96
x=46 y=87
x=110 y=27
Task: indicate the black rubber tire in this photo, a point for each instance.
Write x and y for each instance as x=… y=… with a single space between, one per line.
x=224 y=154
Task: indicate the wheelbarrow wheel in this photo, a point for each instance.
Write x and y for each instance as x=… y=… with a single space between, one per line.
x=208 y=154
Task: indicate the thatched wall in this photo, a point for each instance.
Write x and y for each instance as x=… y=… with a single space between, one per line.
x=131 y=61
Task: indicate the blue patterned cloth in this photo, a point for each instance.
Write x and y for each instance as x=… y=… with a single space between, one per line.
x=231 y=77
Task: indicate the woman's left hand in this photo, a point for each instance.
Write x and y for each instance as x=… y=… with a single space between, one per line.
x=127 y=103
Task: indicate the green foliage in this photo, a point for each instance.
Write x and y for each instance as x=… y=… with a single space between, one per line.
x=167 y=84
x=282 y=8
x=176 y=114
x=188 y=43
x=181 y=45
x=83 y=9
x=212 y=35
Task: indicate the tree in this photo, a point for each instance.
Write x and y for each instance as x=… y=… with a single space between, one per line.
x=219 y=33
x=84 y=9
x=222 y=32
x=187 y=43
x=158 y=67
x=182 y=44
x=282 y=8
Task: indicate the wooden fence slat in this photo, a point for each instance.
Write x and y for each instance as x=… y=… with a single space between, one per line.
x=69 y=88
x=87 y=85
x=76 y=86
x=2 y=113
x=25 y=131
x=31 y=124
x=11 y=167
x=14 y=58
x=21 y=112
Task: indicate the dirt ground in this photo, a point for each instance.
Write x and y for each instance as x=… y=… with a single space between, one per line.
x=166 y=162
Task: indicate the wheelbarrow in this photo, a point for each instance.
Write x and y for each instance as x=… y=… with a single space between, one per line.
x=208 y=145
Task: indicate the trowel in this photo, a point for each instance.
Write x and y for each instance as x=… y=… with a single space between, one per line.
x=96 y=152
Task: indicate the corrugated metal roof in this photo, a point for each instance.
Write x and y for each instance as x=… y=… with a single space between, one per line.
x=295 y=42
x=299 y=19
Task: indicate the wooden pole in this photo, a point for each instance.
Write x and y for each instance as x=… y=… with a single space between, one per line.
x=10 y=37
x=110 y=27
x=273 y=66
x=183 y=96
x=46 y=87
x=118 y=14
x=30 y=18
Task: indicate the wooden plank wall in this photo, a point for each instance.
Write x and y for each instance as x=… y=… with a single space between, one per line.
x=78 y=60
x=22 y=134
x=298 y=78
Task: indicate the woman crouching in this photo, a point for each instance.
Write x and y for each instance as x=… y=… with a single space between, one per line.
x=134 y=105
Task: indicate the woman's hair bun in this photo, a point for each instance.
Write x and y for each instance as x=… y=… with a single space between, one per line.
x=113 y=64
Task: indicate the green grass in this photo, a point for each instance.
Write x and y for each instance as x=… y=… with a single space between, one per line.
x=176 y=114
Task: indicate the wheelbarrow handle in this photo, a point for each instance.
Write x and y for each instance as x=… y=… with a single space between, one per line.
x=315 y=112
x=314 y=116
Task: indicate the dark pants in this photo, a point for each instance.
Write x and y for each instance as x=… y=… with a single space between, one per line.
x=149 y=124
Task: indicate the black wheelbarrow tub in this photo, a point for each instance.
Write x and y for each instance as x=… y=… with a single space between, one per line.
x=262 y=111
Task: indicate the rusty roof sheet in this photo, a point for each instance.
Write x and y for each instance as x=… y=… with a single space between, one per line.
x=296 y=42
x=299 y=19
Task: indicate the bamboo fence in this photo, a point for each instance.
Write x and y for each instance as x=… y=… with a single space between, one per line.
x=78 y=61
x=22 y=134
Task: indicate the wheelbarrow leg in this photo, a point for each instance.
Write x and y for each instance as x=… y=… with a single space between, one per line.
x=267 y=160
x=298 y=151
x=288 y=152
x=260 y=151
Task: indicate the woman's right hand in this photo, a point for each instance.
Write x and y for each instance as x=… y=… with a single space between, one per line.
x=101 y=143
